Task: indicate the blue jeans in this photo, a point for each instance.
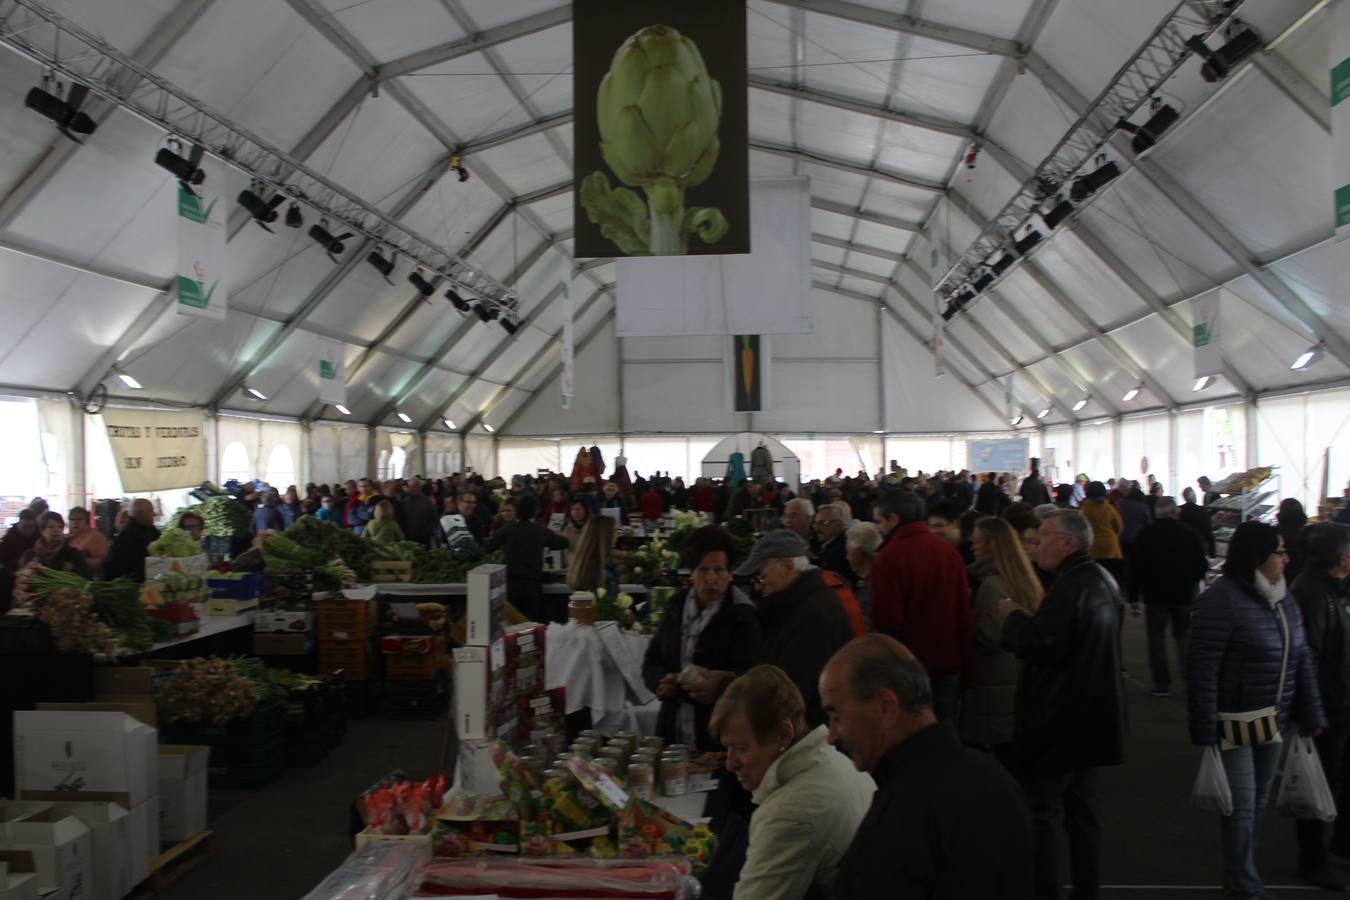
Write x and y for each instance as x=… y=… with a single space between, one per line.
x=1156 y=617
x=1250 y=771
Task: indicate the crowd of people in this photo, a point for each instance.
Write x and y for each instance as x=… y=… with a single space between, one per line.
x=956 y=637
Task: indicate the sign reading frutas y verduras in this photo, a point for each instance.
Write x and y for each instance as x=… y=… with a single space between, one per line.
x=661 y=130
x=157 y=451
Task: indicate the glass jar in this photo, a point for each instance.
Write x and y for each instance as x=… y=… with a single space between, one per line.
x=581 y=608
x=625 y=739
x=535 y=765
x=610 y=766
x=618 y=754
x=562 y=774
x=640 y=780
x=653 y=742
x=674 y=775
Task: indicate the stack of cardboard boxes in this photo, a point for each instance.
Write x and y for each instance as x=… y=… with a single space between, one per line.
x=97 y=795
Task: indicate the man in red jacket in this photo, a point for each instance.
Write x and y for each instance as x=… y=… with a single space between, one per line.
x=921 y=597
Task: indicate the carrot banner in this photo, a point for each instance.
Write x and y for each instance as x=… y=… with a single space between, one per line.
x=747 y=377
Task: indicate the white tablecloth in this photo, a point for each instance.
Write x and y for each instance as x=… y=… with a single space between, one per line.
x=601 y=667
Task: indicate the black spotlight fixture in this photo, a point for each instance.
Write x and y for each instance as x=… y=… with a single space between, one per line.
x=1094 y=181
x=986 y=278
x=419 y=281
x=384 y=266
x=293 y=217
x=1024 y=244
x=485 y=312
x=510 y=325
x=264 y=212
x=187 y=169
x=1057 y=213
x=331 y=244
x=1218 y=63
x=459 y=302
x=1163 y=117
x=949 y=312
x=64 y=114
x=1001 y=262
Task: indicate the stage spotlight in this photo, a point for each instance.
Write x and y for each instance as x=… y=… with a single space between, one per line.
x=1001 y=261
x=510 y=326
x=1029 y=240
x=187 y=169
x=485 y=312
x=382 y=265
x=264 y=212
x=293 y=217
x=1092 y=182
x=64 y=114
x=332 y=245
x=985 y=279
x=1164 y=117
x=1218 y=63
x=459 y=302
x=1057 y=213
x=419 y=281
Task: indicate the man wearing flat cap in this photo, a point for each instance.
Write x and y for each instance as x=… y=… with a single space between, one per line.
x=804 y=622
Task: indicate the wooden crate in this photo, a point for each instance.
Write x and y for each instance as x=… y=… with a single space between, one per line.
x=352 y=657
x=384 y=571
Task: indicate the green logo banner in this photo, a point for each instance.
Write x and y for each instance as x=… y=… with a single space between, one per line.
x=327 y=370
x=1340 y=81
x=1201 y=334
x=194 y=294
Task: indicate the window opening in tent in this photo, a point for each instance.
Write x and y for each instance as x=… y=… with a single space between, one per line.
x=382 y=466
x=398 y=461
x=280 y=468
x=234 y=463
x=54 y=459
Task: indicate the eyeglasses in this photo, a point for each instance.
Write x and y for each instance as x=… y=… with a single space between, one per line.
x=825 y=524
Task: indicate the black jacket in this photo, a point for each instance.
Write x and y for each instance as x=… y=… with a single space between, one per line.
x=129 y=549
x=523 y=544
x=1167 y=565
x=1197 y=519
x=1034 y=492
x=991 y=500
x=1070 y=695
x=730 y=643
x=834 y=557
x=803 y=627
x=1325 y=606
x=947 y=822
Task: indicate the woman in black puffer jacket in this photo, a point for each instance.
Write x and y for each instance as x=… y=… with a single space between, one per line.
x=1239 y=631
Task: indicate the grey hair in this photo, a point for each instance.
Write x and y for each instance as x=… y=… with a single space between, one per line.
x=1072 y=523
x=1044 y=509
x=803 y=504
x=801 y=564
x=882 y=665
x=1165 y=508
x=834 y=510
x=863 y=537
x=1188 y=494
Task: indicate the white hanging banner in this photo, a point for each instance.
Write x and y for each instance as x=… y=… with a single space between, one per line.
x=1340 y=115
x=767 y=291
x=157 y=451
x=568 y=379
x=1206 y=336
x=332 y=365
x=201 y=289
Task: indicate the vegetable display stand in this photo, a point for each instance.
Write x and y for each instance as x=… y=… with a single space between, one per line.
x=248 y=752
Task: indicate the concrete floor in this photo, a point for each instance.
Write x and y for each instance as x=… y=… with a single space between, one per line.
x=278 y=843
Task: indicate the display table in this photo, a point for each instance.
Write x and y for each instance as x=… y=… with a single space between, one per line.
x=211 y=627
x=460 y=589
x=601 y=667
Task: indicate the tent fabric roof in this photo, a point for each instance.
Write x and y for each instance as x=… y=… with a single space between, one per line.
x=878 y=108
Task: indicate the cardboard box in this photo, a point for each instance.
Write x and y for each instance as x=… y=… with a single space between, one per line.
x=471 y=693
x=13 y=811
x=140 y=707
x=283 y=644
x=283 y=621
x=61 y=848
x=182 y=790
x=193 y=567
x=144 y=838
x=421 y=841
x=18 y=875
x=85 y=751
x=109 y=826
x=486 y=605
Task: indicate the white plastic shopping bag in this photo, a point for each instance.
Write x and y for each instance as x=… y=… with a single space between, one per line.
x=1301 y=788
x=1210 y=791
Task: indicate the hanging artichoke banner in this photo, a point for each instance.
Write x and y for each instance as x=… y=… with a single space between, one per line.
x=661 y=132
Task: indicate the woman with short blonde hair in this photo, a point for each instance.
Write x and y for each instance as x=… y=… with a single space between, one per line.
x=809 y=798
x=1003 y=570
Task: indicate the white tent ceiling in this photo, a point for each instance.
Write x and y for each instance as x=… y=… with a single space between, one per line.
x=878 y=108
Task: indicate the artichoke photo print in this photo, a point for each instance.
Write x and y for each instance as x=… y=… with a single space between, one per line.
x=658 y=113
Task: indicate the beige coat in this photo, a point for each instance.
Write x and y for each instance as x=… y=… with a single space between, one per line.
x=987 y=711
x=809 y=805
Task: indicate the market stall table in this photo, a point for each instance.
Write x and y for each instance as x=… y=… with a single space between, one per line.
x=216 y=629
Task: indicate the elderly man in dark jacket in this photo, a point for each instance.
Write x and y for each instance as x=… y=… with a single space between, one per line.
x=946 y=821
x=129 y=549
x=803 y=620
x=1166 y=570
x=1322 y=599
x=1070 y=710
